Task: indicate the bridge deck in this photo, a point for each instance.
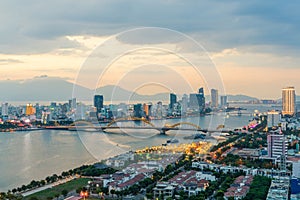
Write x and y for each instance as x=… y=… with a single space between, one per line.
x=161 y=129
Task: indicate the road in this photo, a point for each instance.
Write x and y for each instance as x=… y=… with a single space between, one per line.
x=48 y=186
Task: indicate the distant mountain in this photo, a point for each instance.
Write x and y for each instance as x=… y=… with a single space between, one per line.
x=297 y=99
x=57 y=89
x=39 y=89
x=116 y=93
x=235 y=98
x=240 y=97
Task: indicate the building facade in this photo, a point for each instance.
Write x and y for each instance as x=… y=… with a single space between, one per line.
x=288 y=101
x=173 y=100
x=277 y=145
x=223 y=101
x=214 y=98
x=273 y=118
x=98 y=103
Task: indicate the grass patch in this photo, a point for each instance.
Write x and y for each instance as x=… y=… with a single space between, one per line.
x=51 y=192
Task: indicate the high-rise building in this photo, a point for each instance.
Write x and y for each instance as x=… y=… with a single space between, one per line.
x=214 y=98
x=184 y=104
x=159 y=110
x=197 y=101
x=147 y=109
x=72 y=104
x=273 y=118
x=201 y=91
x=30 y=110
x=98 y=103
x=137 y=110
x=173 y=100
x=223 y=101
x=81 y=113
x=4 y=109
x=288 y=101
x=277 y=145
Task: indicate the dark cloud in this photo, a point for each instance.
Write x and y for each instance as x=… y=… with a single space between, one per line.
x=39 y=26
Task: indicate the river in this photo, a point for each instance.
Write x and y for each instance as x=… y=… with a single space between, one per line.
x=36 y=154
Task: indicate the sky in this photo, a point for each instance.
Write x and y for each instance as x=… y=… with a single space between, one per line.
x=238 y=47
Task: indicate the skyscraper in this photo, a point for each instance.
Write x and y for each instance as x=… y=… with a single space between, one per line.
x=288 y=101
x=214 y=98
x=137 y=110
x=223 y=101
x=98 y=102
x=72 y=104
x=197 y=101
x=4 y=109
x=184 y=104
x=173 y=100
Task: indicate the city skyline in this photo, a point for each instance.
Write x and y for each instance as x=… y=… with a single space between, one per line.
x=242 y=54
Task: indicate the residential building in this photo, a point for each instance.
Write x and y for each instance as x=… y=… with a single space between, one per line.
x=277 y=145
x=288 y=101
x=279 y=189
x=206 y=176
x=274 y=118
x=240 y=187
x=164 y=190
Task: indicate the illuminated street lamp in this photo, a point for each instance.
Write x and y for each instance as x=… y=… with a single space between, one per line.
x=84 y=194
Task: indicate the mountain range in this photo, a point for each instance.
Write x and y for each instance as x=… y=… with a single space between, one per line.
x=57 y=89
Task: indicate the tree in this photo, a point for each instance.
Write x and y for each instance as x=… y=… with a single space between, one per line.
x=64 y=192
x=112 y=192
x=56 y=195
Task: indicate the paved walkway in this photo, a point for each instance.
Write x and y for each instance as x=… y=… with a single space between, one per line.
x=46 y=186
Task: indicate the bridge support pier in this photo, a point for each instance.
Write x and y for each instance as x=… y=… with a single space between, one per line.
x=162 y=132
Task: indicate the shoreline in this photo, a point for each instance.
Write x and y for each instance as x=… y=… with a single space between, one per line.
x=65 y=180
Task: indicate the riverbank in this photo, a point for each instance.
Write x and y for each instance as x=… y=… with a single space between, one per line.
x=31 y=155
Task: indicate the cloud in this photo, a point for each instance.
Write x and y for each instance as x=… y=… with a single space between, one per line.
x=41 y=26
x=9 y=61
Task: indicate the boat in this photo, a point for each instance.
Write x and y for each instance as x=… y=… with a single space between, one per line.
x=195 y=136
x=172 y=141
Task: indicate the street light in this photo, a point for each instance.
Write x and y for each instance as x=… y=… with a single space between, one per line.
x=84 y=194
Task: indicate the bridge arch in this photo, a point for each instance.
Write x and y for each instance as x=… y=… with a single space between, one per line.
x=81 y=123
x=184 y=123
x=221 y=126
x=130 y=119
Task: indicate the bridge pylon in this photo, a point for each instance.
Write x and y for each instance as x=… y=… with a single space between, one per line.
x=162 y=132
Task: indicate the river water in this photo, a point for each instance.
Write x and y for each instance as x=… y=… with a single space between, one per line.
x=36 y=154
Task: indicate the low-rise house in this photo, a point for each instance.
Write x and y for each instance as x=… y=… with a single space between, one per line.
x=194 y=186
x=239 y=188
x=206 y=176
x=164 y=190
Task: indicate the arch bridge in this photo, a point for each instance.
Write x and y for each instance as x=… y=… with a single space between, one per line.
x=84 y=125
